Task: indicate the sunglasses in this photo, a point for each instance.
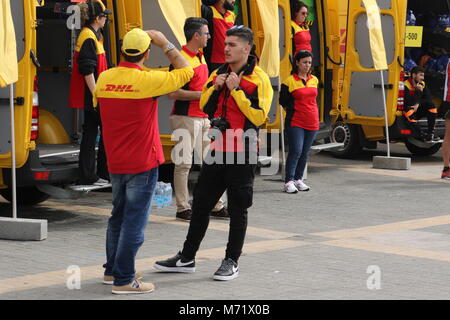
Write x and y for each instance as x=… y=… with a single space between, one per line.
x=237 y=27
x=201 y=32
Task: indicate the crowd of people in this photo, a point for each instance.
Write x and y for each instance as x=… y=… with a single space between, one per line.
x=216 y=85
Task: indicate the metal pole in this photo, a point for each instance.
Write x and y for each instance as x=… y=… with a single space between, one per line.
x=283 y=155
x=385 y=115
x=13 y=150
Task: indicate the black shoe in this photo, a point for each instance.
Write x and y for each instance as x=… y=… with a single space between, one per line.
x=221 y=214
x=176 y=264
x=184 y=215
x=228 y=270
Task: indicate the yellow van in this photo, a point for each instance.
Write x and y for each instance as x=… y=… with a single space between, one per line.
x=47 y=130
x=360 y=114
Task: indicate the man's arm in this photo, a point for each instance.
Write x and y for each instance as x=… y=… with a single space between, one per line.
x=163 y=82
x=173 y=54
x=185 y=95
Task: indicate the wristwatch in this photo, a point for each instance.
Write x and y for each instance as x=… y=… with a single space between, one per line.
x=170 y=46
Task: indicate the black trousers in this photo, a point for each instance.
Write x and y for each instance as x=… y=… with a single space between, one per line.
x=422 y=111
x=87 y=163
x=214 y=179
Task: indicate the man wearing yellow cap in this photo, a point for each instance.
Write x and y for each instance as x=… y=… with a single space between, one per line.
x=126 y=95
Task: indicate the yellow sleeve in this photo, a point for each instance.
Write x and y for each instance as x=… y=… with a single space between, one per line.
x=256 y=108
x=158 y=83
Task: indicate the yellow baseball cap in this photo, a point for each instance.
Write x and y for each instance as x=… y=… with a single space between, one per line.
x=137 y=41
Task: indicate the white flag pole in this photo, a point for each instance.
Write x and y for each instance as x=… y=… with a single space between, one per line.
x=283 y=154
x=385 y=115
x=13 y=151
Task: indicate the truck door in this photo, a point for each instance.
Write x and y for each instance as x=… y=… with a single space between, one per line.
x=24 y=18
x=361 y=92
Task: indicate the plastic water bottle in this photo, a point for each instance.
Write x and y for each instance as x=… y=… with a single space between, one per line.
x=168 y=194
x=158 y=196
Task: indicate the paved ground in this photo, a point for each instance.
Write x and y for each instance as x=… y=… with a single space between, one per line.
x=360 y=233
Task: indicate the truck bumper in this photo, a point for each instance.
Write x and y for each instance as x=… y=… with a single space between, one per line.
x=36 y=171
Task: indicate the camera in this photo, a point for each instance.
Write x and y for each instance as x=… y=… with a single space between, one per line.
x=220 y=124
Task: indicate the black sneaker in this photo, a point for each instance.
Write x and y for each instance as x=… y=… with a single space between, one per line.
x=228 y=270
x=184 y=215
x=221 y=214
x=176 y=264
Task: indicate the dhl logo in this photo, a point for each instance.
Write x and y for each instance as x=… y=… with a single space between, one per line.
x=119 y=88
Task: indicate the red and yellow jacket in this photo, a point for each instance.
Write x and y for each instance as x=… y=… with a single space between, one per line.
x=246 y=107
x=301 y=38
x=89 y=57
x=129 y=113
x=198 y=63
x=299 y=98
x=218 y=25
x=413 y=96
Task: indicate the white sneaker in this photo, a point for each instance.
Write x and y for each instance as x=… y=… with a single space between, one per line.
x=100 y=182
x=289 y=187
x=301 y=186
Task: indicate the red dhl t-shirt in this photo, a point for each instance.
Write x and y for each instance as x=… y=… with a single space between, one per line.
x=221 y=24
x=129 y=114
x=198 y=63
x=301 y=37
x=77 y=81
x=305 y=113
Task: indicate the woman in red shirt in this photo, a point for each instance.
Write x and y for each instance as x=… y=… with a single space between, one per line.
x=301 y=37
x=89 y=61
x=298 y=97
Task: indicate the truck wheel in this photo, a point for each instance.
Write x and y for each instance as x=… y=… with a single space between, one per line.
x=418 y=151
x=349 y=135
x=25 y=195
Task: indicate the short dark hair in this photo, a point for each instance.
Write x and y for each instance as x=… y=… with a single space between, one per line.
x=301 y=54
x=193 y=25
x=241 y=32
x=209 y=2
x=296 y=5
x=417 y=69
x=133 y=59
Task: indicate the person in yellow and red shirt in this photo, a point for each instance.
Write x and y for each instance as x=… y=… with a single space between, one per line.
x=419 y=103
x=301 y=37
x=127 y=99
x=89 y=61
x=237 y=97
x=298 y=96
x=188 y=121
x=220 y=17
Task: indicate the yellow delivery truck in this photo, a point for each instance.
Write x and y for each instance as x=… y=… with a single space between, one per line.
x=360 y=113
x=46 y=129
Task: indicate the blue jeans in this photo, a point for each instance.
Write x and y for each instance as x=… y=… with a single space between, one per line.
x=300 y=141
x=132 y=196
